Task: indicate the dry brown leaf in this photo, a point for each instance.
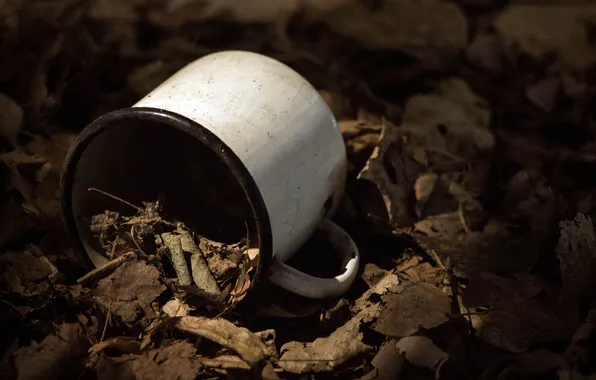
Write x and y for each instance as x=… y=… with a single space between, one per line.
x=488 y=289
x=176 y=361
x=27 y=272
x=422 y=352
x=11 y=119
x=544 y=93
x=147 y=77
x=225 y=362
x=415 y=306
x=451 y=127
x=521 y=313
x=452 y=119
x=421 y=28
x=576 y=251
x=176 y=308
x=488 y=51
x=494 y=248
x=538 y=30
x=388 y=362
x=238 y=339
x=123 y=344
x=53 y=357
x=180 y=12
x=129 y=291
x=572 y=374
x=345 y=343
x=325 y=354
x=393 y=172
x=537 y=363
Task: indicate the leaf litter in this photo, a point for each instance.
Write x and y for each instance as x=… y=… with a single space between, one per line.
x=470 y=156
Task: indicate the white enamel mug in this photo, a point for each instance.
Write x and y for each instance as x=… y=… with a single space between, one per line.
x=233 y=140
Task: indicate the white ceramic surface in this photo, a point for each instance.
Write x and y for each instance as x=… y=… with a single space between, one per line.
x=285 y=135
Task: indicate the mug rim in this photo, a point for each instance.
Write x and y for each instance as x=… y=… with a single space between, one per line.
x=192 y=129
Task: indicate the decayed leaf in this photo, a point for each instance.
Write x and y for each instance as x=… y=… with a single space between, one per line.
x=53 y=357
x=488 y=51
x=121 y=343
x=174 y=361
x=444 y=129
x=494 y=248
x=577 y=255
x=11 y=119
x=521 y=314
x=452 y=119
x=27 y=272
x=417 y=305
x=325 y=354
x=420 y=28
x=543 y=94
x=422 y=352
x=536 y=363
x=538 y=30
x=180 y=12
x=225 y=362
x=388 y=362
x=129 y=291
x=176 y=308
x=393 y=172
x=238 y=339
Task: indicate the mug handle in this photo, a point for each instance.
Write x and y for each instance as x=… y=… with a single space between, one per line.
x=309 y=286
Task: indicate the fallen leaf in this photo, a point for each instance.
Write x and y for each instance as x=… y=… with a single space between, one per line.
x=572 y=374
x=238 y=339
x=27 y=272
x=181 y=12
x=543 y=94
x=422 y=352
x=538 y=30
x=123 y=344
x=451 y=119
x=147 y=77
x=325 y=354
x=418 y=305
x=494 y=248
x=372 y=274
x=576 y=252
x=538 y=362
x=388 y=362
x=225 y=362
x=129 y=291
x=53 y=357
x=176 y=361
x=11 y=119
x=451 y=127
x=392 y=173
x=488 y=51
x=176 y=308
x=520 y=313
x=423 y=29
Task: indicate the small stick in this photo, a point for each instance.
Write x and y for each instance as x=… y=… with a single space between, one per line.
x=115 y=197
x=105 y=269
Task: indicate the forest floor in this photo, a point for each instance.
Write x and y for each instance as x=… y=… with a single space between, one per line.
x=470 y=132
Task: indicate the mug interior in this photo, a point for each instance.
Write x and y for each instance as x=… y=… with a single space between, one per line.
x=142 y=155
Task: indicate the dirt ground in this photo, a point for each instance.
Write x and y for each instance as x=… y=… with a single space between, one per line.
x=470 y=132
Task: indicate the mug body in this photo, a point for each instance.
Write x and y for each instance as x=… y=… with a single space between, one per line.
x=277 y=124
x=233 y=139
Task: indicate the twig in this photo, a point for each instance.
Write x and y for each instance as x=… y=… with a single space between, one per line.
x=105 y=326
x=115 y=197
x=105 y=269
